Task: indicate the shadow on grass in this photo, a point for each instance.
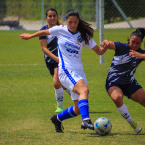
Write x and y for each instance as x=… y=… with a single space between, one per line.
x=94 y=134
x=113 y=134
x=99 y=112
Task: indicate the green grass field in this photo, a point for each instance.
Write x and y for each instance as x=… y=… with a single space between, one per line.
x=27 y=97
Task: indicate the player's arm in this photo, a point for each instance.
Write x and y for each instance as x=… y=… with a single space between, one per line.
x=108 y=45
x=99 y=50
x=27 y=36
x=105 y=45
x=43 y=43
x=103 y=49
x=137 y=54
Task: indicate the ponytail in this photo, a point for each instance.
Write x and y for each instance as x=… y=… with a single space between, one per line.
x=85 y=30
x=140 y=32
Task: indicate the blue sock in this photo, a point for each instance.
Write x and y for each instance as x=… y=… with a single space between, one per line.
x=84 y=109
x=66 y=114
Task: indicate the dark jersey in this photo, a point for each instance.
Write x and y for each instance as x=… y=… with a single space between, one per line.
x=51 y=45
x=123 y=66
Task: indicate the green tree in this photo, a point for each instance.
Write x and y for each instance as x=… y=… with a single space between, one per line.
x=3 y=9
x=79 y=6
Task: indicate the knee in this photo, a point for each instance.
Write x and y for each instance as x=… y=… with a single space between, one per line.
x=85 y=91
x=117 y=98
x=57 y=85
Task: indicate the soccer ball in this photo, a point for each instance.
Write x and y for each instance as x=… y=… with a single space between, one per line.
x=102 y=126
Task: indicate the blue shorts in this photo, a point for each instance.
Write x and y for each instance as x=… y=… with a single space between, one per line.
x=127 y=89
x=51 y=67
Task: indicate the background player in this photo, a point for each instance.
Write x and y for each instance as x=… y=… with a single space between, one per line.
x=50 y=49
x=120 y=80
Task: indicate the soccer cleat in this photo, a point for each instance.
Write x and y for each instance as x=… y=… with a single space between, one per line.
x=58 y=125
x=87 y=124
x=58 y=109
x=136 y=127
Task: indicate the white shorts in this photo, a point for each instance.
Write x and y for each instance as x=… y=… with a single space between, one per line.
x=69 y=78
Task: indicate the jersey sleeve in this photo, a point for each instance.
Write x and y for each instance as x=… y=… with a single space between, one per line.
x=91 y=44
x=119 y=47
x=42 y=37
x=143 y=52
x=54 y=31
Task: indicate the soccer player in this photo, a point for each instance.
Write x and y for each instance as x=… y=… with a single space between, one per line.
x=71 y=39
x=120 y=80
x=50 y=49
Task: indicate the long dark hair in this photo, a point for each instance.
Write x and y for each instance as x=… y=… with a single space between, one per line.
x=140 y=32
x=83 y=27
x=59 y=22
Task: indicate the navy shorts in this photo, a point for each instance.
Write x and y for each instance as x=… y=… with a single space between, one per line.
x=51 y=67
x=127 y=89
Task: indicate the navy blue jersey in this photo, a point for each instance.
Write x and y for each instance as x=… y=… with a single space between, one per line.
x=123 y=66
x=51 y=45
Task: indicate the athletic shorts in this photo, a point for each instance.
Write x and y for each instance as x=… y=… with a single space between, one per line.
x=69 y=78
x=127 y=89
x=51 y=67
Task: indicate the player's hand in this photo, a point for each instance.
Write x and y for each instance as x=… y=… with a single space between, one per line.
x=135 y=54
x=105 y=43
x=25 y=36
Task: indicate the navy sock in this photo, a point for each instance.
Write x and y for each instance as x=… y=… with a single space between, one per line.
x=84 y=109
x=66 y=114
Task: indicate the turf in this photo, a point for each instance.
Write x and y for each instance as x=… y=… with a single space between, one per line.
x=27 y=96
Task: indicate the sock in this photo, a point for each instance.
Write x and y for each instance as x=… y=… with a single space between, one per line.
x=59 y=96
x=66 y=114
x=84 y=109
x=124 y=112
x=68 y=91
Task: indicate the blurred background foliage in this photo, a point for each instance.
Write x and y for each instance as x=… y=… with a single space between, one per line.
x=32 y=9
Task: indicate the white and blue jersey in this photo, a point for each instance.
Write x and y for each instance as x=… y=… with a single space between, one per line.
x=69 y=47
x=51 y=45
x=123 y=66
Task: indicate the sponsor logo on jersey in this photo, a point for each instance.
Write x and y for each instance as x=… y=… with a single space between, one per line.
x=66 y=36
x=72 y=47
x=76 y=75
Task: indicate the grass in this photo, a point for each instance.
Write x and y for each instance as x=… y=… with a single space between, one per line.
x=27 y=97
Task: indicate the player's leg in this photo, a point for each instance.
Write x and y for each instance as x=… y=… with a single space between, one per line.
x=59 y=93
x=81 y=88
x=53 y=69
x=116 y=95
x=73 y=111
x=70 y=112
x=70 y=79
x=139 y=96
x=67 y=90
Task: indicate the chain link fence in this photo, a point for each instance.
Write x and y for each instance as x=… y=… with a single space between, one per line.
x=28 y=15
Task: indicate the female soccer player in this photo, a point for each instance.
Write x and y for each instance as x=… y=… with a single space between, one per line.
x=71 y=39
x=49 y=47
x=120 y=80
